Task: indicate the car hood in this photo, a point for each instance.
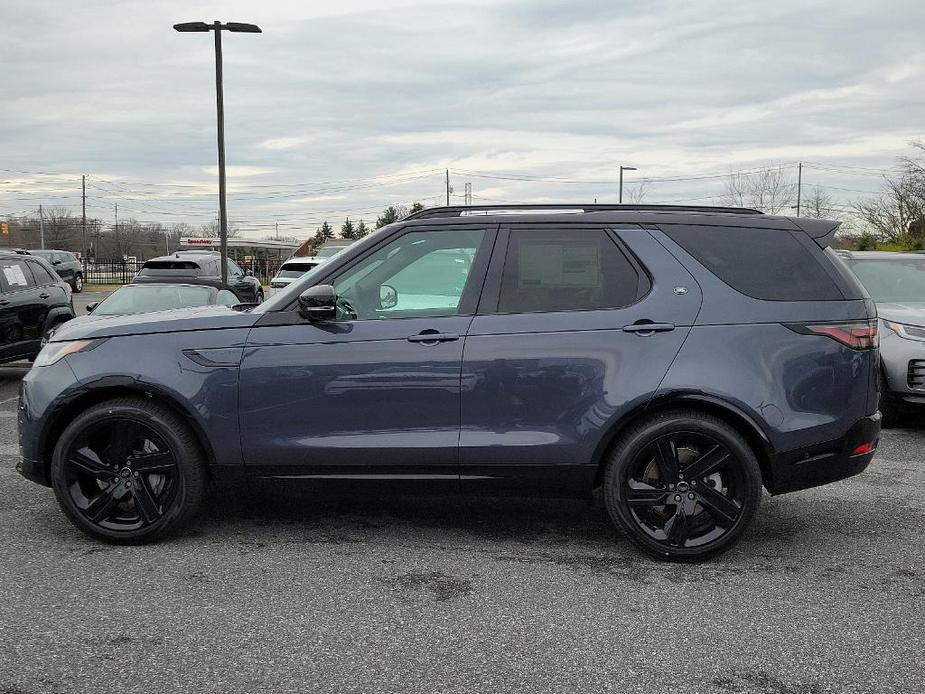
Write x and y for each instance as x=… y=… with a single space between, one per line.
x=912 y=313
x=175 y=320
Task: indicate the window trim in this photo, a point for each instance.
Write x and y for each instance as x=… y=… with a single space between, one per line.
x=491 y=293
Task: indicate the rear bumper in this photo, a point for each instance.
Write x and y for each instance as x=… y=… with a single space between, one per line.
x=33 y=470
x=828 y=462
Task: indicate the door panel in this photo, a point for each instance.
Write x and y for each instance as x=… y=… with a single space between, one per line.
x=368 y=394
x=541 y=389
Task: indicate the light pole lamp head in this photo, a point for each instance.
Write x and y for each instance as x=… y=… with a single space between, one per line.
x=242 y=28
x=192 y=26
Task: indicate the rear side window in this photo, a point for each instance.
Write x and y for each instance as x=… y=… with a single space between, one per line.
x=567 y=270
x=768 y=264
x=16 y=274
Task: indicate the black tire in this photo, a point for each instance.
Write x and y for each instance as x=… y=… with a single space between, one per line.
x=90 y=477
x=260 y=297
x=891 y=415
x=78 y=285
x=663 y=518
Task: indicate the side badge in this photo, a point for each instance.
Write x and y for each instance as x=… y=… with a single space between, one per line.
x=680 y=291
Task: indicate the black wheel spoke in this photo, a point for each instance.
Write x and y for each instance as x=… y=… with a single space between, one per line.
x=677 y=528
x=642 y=494
x=707 y=464
x=86 y=461
x=124 y=436
x=720 y=506
x=158 y=461
x=145 y=503
x=666 y=457
x=102 y=506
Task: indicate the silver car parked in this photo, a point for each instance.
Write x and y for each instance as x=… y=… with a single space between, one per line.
x=896 y=281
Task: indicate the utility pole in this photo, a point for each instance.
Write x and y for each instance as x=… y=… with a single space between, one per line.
x=799 y=186
x=83 y=215
x=277 y=231
x=115 y=226
x=467 y=197
x=622 y=169
x=447 y=187
x=41 y=228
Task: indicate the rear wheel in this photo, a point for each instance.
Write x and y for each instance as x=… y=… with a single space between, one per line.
x=682 y=486
x=128 y=471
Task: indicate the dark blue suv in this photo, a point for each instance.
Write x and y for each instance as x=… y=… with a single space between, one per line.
x=676 y=359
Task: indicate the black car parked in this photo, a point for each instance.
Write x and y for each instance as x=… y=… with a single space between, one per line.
x=201 y=267
x=33 y=300
x=65 y=265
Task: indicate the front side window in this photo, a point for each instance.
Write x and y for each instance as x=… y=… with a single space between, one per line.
x=422 y=273
x=566 y=270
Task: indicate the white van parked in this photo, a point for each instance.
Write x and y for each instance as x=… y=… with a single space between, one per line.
x=293 y=269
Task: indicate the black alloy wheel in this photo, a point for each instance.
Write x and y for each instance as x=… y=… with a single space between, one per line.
x=683 y=486
x=128 y=471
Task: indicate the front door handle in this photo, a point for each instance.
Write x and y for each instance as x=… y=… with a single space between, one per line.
x=646 y=329
x=432 y=337
x=43 y=295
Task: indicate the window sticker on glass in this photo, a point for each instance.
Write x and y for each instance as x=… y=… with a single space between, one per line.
x=14 y=276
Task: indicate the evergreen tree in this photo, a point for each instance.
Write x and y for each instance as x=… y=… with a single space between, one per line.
x=347 y=230
x=361 y=230
x=389 y=216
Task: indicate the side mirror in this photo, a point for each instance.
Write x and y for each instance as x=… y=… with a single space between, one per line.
x=388 y=296
x=318 y=303
x=92 y=306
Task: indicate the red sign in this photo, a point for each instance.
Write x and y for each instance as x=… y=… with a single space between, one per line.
x=192 y=241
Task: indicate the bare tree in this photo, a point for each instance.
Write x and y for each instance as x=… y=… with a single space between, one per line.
x=770 y=190
x=636 y=194
x=210 y=230
x=818 y=204
x=61 y=228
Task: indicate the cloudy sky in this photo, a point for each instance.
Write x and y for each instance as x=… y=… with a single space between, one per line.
x=340 y=108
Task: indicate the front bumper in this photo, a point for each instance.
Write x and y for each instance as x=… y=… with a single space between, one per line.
x=827 y=462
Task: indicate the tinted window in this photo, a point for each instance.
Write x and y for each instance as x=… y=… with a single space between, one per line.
x=293 y=270
x=170 y=265
x=16 y=274
x=567 y=270
x=42 y=276
x=762 y=263
x=418 y=274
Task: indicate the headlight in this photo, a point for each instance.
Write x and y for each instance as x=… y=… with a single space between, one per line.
x=53 y=352
x=907 y=332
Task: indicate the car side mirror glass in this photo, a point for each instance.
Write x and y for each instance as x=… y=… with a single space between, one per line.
x=388 y=296
x=92 y=306
x=318 y=303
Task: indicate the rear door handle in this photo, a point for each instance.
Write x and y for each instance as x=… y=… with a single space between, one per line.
x=644 y=329
x=432 y=337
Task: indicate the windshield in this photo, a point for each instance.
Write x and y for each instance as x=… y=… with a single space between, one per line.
x=893 y=280
x=140 y=298
x=293 y=270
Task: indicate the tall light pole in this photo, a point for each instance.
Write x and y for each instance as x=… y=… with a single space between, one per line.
x=622 y=169
x=218 y=28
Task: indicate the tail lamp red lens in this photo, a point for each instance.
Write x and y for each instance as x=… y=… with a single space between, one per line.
x=856 y=334
x=863 y=448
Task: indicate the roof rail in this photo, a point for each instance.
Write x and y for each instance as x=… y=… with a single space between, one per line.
x=465 y=210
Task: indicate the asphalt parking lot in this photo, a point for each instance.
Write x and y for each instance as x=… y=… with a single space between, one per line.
x=286 y=591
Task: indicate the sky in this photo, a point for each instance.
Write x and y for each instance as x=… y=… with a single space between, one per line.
x=341 y=108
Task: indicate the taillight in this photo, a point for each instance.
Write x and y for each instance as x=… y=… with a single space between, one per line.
x=856 y=334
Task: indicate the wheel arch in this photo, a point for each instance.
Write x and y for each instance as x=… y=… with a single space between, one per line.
x=65 y=412
x=729 y=413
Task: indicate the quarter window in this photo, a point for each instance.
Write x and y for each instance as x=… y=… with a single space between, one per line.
x=422 y=273
x=567 y=270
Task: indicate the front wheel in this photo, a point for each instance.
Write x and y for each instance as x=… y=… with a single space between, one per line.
x=682 y=485
x=128 y=471
x=260 y=297
x=78 y=285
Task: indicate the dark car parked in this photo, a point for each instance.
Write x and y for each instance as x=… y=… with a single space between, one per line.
x=675 y=358
x=201 y=267
x=66 y=266
x=33 y=301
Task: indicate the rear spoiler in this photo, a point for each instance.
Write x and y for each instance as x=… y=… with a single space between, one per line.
x=822 y=231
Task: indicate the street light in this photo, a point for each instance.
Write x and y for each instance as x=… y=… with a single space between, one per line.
x=218 y=28
x=622 y=169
